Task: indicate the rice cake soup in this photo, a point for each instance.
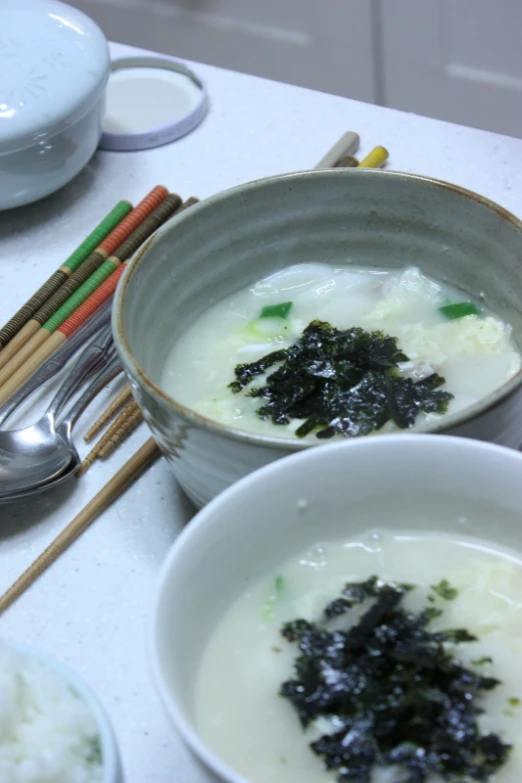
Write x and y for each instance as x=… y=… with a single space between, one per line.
x=446 y=353
x=367 y=652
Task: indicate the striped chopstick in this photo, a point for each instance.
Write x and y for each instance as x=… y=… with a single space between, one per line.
x=70 y=265
x=106 y=248
x=66 y=320
x=80 y=291
x=114 y=408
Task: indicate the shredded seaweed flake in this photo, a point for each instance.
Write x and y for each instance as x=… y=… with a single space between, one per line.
x=445 y=590
x=482 y=661
x=340 y=382
x=394 y=694
x=93 y=752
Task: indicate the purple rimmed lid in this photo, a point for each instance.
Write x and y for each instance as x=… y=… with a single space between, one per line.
x=150 y=101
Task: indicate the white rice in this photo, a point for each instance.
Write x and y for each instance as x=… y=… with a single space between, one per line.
x=47 y=732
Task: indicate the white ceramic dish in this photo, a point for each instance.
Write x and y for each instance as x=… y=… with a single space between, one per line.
x=54 y=66
x=112 y=769
x=319 y=494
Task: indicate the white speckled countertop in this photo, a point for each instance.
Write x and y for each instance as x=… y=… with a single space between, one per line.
x=92 y=608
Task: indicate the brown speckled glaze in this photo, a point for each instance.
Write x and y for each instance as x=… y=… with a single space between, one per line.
x=374 y=218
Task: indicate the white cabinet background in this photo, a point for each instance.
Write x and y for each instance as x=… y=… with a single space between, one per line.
x=458 y=60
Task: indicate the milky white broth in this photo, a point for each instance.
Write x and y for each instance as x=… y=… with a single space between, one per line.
x=238 y=710
x=475 y=354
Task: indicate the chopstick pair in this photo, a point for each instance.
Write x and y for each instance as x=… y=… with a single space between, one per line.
x=341 y=154
x=145 y=456
x=15 y=353
x=123 y=425
x=71 y=264
x=88 y=297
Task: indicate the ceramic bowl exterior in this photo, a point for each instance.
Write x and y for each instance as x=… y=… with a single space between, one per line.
x=364 y=217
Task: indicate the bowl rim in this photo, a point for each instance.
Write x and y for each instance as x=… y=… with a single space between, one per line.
x=111 y=765
x=203 y=519
x=485 y=405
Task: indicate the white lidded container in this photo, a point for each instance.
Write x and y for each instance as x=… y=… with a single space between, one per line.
x=54 y=67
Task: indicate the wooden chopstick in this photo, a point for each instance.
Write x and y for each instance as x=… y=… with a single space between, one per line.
x=347 y=144
x=130 y=418
x=115 y=406
x=133 y=468
x=123 y=425
x=70 y=265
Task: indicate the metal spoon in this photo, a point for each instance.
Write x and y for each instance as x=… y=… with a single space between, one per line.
x=38 y=456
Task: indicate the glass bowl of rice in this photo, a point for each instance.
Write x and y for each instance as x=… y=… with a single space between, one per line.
x=52 y=727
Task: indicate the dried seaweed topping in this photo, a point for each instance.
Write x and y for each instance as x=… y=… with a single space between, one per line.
x=392 y=691
x=445 y=590
x=340 y=382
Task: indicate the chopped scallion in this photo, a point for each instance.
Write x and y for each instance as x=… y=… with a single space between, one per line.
x=459 y=310
x=276 y=311
x=268 y=609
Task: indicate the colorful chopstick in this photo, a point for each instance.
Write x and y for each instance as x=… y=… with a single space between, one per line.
x=90 y=243
x=88 y=298
x=79 y=276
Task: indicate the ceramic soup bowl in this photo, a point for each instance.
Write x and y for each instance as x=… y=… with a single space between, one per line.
x=370 y=218
x=445 y=484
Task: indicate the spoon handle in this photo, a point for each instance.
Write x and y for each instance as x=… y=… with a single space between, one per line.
x=58 y=361
x=110 y=371
x=90 y=358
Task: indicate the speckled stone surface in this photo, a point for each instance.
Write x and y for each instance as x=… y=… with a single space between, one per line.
x=92 y=608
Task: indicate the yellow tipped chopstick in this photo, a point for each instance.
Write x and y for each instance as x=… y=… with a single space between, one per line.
x=105 y=249
x=376 y=158
x=70 y=265
x=63 y=322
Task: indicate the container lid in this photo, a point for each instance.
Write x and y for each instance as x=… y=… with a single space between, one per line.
x=54 y=64
x=151 y=100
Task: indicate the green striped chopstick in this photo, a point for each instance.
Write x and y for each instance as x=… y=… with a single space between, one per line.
x=39 y=347
x=103 y=229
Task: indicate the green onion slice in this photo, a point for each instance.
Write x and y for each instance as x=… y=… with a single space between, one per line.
x=276 y=311
x=459 y=310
